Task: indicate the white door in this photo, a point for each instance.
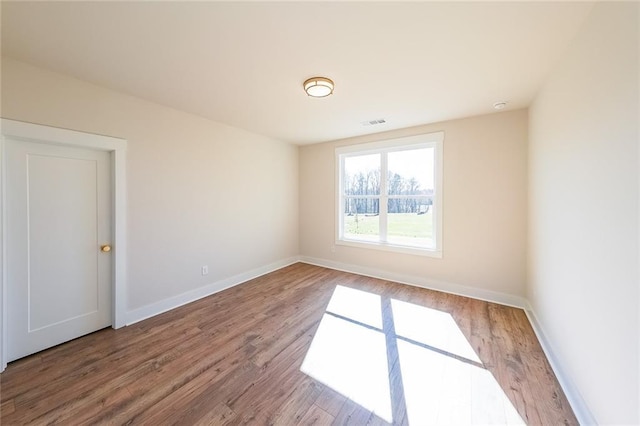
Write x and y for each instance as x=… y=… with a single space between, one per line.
x=58 y=213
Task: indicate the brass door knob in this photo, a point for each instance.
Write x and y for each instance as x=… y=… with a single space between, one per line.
x=105 y=248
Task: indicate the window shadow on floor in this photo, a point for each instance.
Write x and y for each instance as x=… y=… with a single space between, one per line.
x=406 y=363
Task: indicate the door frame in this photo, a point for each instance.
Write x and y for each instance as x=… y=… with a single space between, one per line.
x=57 y=136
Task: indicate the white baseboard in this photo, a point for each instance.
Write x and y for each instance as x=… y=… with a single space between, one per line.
x=443 y=286
x=576 y=401
x=191 y=296
x=579 y=406
x=165 y=305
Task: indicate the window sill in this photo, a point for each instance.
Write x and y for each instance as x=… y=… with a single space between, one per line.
x=391 y=248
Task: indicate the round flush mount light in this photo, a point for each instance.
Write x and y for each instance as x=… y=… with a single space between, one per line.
x=499 y=105
x=318 y=87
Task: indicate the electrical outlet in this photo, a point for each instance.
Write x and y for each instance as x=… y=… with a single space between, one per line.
x=205 y=270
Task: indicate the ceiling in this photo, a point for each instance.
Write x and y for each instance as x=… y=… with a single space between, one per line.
x=244 y=63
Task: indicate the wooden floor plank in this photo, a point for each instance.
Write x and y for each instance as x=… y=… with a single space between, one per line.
x=299 y=403
x=330 y=401
x=220 y=415
x=352 y=414
x=235 y=358
x=315 y=416
x=7 y=407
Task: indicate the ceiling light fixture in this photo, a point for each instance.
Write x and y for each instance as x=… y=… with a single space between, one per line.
x=318 y=87
x=500 y=105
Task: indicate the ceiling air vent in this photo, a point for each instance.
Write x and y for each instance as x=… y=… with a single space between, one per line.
x=374 y=122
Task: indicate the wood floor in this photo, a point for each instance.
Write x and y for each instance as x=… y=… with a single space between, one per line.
x=302 y=345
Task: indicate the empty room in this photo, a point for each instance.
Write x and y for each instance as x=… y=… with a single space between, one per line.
x=385 y=213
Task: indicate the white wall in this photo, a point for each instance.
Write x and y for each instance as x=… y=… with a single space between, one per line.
x=199 y=192
x=484 y=226
x=583 y=209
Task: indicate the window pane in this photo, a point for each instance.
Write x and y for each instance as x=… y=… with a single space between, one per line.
x=411 y=172
x=362 y=175
x=389 y=194
x=410 y=222
x=361 y=219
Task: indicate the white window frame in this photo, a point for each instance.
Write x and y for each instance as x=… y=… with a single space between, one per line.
x=430 y=140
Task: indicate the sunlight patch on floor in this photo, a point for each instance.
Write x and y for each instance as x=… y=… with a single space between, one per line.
x=443 y=379
x=446 y=391
x=352 y=360
x=431 y=327
x=357 y=305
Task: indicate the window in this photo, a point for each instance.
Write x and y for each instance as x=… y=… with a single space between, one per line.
x=389 y=195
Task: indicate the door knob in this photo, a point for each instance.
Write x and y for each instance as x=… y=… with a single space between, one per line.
x=105 y=248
